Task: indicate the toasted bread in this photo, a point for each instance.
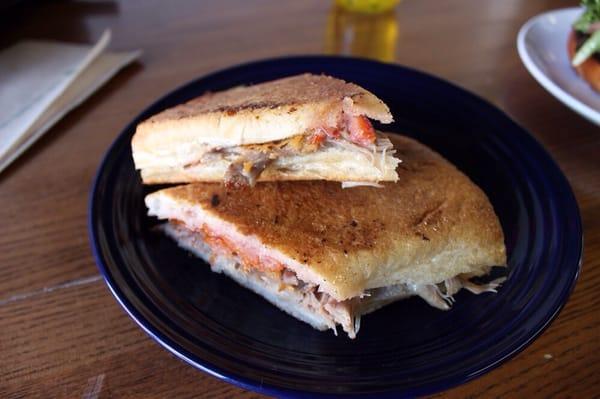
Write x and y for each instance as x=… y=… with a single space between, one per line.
x=257 y=114
x=173 y=146
x=432 y=225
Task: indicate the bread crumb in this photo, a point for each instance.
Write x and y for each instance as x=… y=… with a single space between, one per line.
x=547 y=356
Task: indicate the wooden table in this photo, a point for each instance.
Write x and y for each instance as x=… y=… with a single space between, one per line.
x=62 y=334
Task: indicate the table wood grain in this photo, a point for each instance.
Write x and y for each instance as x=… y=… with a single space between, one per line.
x=61 y=332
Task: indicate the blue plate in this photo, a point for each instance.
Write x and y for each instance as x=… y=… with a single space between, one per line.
x=407 y=348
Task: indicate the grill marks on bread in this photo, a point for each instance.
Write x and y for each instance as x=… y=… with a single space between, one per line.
x=287 y=93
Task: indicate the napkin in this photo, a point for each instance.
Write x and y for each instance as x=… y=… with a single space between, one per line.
x=40 y=81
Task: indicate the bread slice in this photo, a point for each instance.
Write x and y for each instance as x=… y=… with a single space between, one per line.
x=260 y=113
x=278 y=120
x=431 y=226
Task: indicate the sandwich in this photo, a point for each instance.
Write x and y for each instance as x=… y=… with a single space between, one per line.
x=584 y=44
x=305 y=127
x=326 y=255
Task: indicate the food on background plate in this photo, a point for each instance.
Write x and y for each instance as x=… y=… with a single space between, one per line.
x=304 y=127
x=326 y=255
x=584 y=43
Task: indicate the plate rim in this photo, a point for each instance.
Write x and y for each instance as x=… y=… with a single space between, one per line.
x=267 y=389
x=546 y=82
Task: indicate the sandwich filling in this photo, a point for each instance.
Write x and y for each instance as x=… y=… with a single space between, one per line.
x=279 y=279
x=353 y=133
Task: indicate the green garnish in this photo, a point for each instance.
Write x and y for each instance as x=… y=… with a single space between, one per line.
x=589 y=16
x=589 y=47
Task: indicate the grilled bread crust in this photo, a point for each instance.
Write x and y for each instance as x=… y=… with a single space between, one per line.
x=261 y=113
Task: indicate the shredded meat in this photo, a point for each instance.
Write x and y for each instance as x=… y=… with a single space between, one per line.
x=246 y=169
x=289 y=277
x=251 y=160
x=247 y=162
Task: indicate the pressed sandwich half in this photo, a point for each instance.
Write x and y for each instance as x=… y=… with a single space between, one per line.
x=305 y=127
x=327 y=255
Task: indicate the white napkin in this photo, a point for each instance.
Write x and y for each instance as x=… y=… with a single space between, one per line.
x=41 y=81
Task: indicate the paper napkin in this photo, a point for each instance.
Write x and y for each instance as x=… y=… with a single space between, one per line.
x=40 y=81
